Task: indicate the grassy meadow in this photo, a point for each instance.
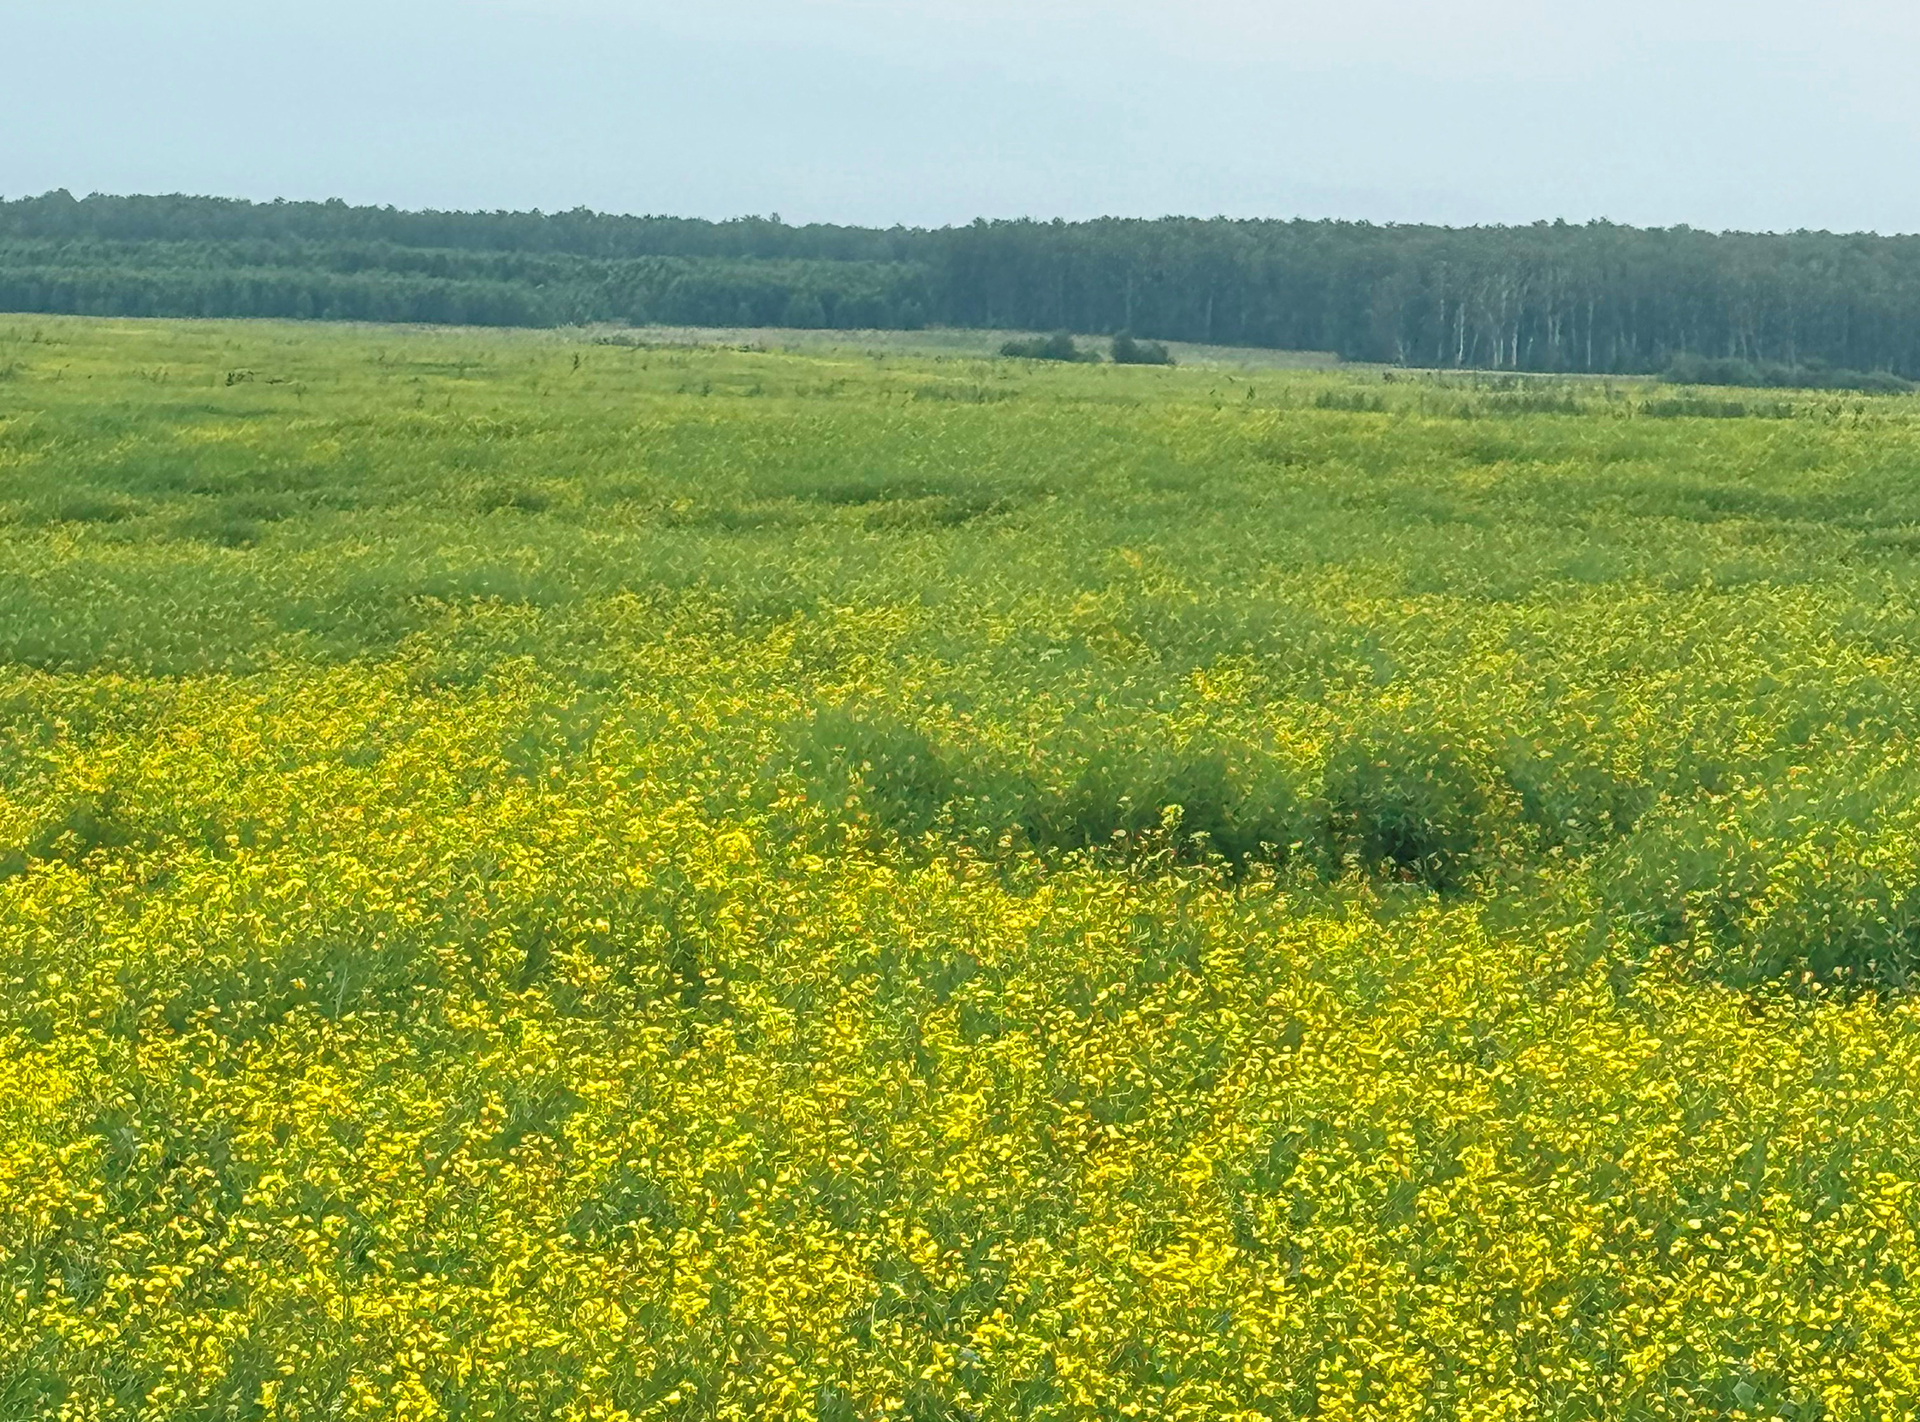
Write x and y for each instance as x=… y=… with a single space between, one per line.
x=541 y=879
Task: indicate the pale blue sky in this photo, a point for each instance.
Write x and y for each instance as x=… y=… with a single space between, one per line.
x=1720 y=113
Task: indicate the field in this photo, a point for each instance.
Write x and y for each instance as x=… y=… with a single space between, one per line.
x=546 y=879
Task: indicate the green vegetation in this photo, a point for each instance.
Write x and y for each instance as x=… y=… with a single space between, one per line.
x=1128 y=351
x=1060 y=346
x=1699 y=370
x=1599 y=298
x=551 y=878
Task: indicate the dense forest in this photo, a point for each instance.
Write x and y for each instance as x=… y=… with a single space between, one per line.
x=1550 y=297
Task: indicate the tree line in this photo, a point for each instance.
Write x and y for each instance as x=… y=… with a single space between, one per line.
x=1595 y=297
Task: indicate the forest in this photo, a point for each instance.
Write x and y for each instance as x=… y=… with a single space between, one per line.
x=1558 y=297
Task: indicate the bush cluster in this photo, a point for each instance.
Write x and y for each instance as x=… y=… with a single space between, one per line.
x=1060 y=346
x=1128 y=351
x=1772 y=375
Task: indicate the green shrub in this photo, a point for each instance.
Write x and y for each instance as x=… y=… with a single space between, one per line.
x=1059 y=346
x=1405 y=803
x=1128 y=351
x=1685 y=369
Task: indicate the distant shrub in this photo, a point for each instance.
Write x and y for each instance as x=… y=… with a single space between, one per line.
x=1059 y=346
x=1128 y=351
x=1706 y=370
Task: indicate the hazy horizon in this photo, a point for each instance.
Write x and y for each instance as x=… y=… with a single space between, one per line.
x=1715 y=116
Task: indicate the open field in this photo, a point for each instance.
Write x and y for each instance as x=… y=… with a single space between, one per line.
x=542 y=879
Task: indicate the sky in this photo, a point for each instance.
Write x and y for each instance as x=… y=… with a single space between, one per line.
x=1755 y=114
